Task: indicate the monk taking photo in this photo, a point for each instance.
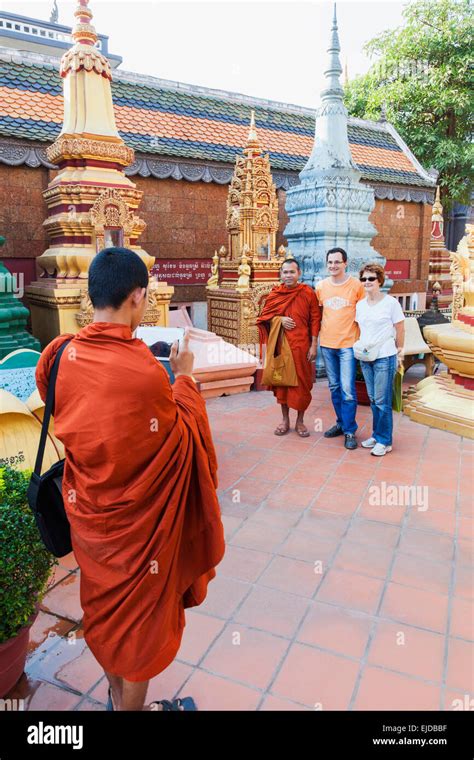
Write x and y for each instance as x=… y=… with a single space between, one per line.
x=299 y=313
x=139 y=483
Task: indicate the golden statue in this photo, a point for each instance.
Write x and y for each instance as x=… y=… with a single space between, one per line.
x=244 y=273
x=213 y=281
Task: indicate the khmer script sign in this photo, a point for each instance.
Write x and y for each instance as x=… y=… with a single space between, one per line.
x=182 y=271
x=398 y=269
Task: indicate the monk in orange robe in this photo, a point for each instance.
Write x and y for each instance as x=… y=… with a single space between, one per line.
x=299 y=308
x=139 y=483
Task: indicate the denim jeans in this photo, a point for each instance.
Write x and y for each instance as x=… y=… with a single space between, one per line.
x=379 y=376
x=341 y=371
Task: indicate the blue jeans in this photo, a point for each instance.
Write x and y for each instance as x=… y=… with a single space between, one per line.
x=378 y=376
x=341 y=371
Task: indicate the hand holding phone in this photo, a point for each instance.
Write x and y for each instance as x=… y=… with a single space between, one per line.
x=181 y=357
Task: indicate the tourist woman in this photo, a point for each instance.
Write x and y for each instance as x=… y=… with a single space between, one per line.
x=380 y=350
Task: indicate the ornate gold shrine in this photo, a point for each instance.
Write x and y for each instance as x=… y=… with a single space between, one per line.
x=91 y=203
x=440 y=259
x=243 y=275
x=446 y=400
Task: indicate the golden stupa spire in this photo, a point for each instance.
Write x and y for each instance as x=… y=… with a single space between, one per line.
x=88 y=106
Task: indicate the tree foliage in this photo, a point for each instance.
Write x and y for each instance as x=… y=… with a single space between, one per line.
x=422 y=75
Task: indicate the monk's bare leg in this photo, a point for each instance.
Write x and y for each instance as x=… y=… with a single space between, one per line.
x=300 y=427
x=133 y=695
x=116 y=684
x=284 y=426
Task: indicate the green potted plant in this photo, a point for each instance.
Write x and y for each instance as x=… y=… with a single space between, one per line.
x=361 y=388
x=25 y=567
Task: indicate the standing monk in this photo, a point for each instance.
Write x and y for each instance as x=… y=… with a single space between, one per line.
x=298 y=306
x=139 y=483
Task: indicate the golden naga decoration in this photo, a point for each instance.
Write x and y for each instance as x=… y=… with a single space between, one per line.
x=91 y=203
x=446 y=400
x=243 y=276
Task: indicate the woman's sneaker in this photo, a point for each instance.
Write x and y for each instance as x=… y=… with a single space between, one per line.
x=369 y=443
x=380 y=450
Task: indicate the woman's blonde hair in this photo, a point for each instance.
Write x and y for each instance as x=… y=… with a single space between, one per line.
x=374 y=269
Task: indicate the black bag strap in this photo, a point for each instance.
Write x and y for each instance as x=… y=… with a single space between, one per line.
x=49 y=408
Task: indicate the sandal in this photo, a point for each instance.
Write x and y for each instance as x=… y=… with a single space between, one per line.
x=282 y=429
x=299 y=429
x=186 y=703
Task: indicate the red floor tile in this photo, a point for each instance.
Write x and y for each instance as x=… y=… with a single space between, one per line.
x=383 y=690
x=64 y=599
x=320 y=680
x=243 y=564
x=223 y=596
x=408 y=650
x=460 y=674
x=211 y=692
x=415 y=571
x=355 y=558
x=415 y=606
x=350 y=590
x=291 y=575
x=245 y=655
x=299 y=545
x=272 y=610
x=462 y=619
x=337 y=629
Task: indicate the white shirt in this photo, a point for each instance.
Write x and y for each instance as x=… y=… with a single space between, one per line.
x=376 y=320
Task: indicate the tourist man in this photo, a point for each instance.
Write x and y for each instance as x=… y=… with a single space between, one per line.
x=338 y=295
x=139 y=483
x=298 y=306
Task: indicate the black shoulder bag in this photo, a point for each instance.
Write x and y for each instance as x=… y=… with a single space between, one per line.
x=45 y=491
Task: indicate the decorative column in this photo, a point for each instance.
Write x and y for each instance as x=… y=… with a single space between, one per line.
x=331 y=206
x=91 y=203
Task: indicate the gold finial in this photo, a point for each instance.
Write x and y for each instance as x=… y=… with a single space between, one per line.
x=437 y=210
x=252 y=139
x=84 y=54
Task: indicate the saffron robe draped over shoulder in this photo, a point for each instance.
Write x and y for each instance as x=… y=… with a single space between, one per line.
x=301 y=304
x=139 y=490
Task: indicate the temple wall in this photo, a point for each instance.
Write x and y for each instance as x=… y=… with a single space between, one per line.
x=187 y=220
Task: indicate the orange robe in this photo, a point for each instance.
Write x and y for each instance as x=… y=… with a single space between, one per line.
x=139 y=489
x=301 y=304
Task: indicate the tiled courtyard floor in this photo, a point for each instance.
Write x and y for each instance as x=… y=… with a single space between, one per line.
x=324 y=600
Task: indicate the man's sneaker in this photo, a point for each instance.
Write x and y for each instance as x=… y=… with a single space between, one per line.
x=369 y=443
x=350 y=441
x=334 y=431
x=380 y=450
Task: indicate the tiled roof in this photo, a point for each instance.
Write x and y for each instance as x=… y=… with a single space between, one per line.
x=157 y=119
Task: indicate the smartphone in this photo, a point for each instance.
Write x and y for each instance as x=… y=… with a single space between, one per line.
x=159 y=340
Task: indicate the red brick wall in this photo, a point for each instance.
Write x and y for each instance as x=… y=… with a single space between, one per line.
x=187 y=220
x=22 y=211
x=404 y=231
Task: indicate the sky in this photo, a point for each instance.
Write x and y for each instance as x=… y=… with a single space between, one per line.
x=271 y=50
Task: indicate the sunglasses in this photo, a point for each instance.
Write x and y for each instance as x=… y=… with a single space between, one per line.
x=367 y=279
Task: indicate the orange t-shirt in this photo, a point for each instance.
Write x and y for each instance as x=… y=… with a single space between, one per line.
x=339 y=328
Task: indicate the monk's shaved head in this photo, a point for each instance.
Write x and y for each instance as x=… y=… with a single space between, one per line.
x=113 y=275
x=290 y=261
